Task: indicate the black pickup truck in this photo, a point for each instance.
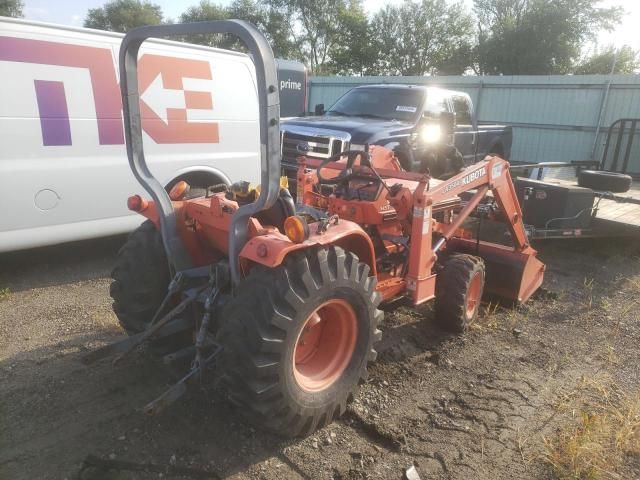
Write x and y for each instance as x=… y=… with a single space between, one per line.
x=430 y=128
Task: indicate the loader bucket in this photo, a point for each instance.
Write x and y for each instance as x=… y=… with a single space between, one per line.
x=510 y=275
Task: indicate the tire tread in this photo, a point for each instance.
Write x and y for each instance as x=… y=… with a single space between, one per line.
x=451 y=291
x=251 y=371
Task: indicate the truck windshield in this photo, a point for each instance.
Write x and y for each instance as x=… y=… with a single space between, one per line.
x=385 y=103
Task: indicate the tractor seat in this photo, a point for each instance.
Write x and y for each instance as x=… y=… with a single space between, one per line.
x=279 y=211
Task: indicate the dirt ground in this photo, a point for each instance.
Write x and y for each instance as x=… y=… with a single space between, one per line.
x=476 y=406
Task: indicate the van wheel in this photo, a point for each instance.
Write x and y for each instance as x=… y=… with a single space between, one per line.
x=297 y=339
x=198 y=181
x=459 y=288
x=140 y=278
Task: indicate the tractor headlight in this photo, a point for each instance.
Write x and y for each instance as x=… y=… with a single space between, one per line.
x=356 y=146
x=430 y=133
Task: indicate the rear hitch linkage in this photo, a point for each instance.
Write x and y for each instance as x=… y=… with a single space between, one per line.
x=204 y=352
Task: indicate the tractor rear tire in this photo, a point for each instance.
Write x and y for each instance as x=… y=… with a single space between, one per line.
x=459 y=288
x=140 y=278
x=297 y=339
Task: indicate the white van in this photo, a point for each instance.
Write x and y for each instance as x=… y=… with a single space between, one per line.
x=64 y=173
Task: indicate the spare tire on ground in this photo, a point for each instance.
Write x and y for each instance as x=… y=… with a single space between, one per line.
x=604 y=181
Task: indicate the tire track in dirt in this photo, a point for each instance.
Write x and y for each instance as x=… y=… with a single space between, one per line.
x=474 y=406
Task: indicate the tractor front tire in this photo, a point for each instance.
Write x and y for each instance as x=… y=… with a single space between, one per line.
x=140 y=278
x=297 y=339
x=459 y=288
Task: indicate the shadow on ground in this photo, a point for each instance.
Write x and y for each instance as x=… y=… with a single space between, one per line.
x=449 y=402
x=59 y=264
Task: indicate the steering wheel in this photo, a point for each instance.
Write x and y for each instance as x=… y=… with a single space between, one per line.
x=347 y=174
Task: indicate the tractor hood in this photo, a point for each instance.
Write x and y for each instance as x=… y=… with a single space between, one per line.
x=362 y=130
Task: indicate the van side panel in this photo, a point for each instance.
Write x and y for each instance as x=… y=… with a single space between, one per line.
x=63 y=160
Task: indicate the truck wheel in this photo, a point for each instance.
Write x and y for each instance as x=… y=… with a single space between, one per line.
x=457 y=162
x=604 y=181
x=140 y=278
x=496 y=150
x=459 y=288
x=297 y=339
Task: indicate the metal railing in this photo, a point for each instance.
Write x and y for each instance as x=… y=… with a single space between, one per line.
x=619 y=132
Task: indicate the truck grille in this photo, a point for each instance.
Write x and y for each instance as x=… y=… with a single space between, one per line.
x=319 y=147
x=322 y=144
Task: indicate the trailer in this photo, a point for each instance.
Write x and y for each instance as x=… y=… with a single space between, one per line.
x=583 y=199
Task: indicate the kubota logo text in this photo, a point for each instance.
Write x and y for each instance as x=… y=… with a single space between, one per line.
x=476 y=174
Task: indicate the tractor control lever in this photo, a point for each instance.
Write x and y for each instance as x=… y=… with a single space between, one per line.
x=325 y=223
x=347 y=173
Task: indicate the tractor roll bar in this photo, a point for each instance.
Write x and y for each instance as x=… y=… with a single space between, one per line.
x=269 y=111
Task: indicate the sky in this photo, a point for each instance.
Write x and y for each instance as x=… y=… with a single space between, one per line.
x=72 y=12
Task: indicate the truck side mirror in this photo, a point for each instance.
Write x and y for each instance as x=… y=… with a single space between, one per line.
x=319 y=109
x=447 y=122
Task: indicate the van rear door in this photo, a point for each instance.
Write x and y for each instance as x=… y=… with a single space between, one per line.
x=292 y=79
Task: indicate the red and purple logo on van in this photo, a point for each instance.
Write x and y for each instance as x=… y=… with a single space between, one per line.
x=164 y=101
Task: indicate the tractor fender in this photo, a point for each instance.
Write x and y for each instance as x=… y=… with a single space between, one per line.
x=272 y=248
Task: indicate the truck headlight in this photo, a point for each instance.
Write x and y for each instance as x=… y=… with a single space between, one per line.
x=430 y=133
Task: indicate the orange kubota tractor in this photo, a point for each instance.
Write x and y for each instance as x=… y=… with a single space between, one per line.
x=284 y=297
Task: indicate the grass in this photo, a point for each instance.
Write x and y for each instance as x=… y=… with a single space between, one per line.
x=588 y=287
x=4 y=294
x=604 y=428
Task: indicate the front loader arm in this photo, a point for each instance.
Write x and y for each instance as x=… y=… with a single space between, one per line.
x=490 y=174
x=514 y=272
x=505 y=194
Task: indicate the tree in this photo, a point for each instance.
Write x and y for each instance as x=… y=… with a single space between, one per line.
x=626 y=60
x=11 y=8
x=123 y=15
x=426 y=37
x=317 y=28
x=279 y=30
x=204 y=11
x=272 y=24
x=207 y=11
x=521 y=37
x=354 y=50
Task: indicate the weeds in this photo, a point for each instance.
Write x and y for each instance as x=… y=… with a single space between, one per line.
x=588 y=286
x=4 y=294
x=611 y=356
x=635 y=283
x=604 y=428
x=521 y=443
x=491 y=311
